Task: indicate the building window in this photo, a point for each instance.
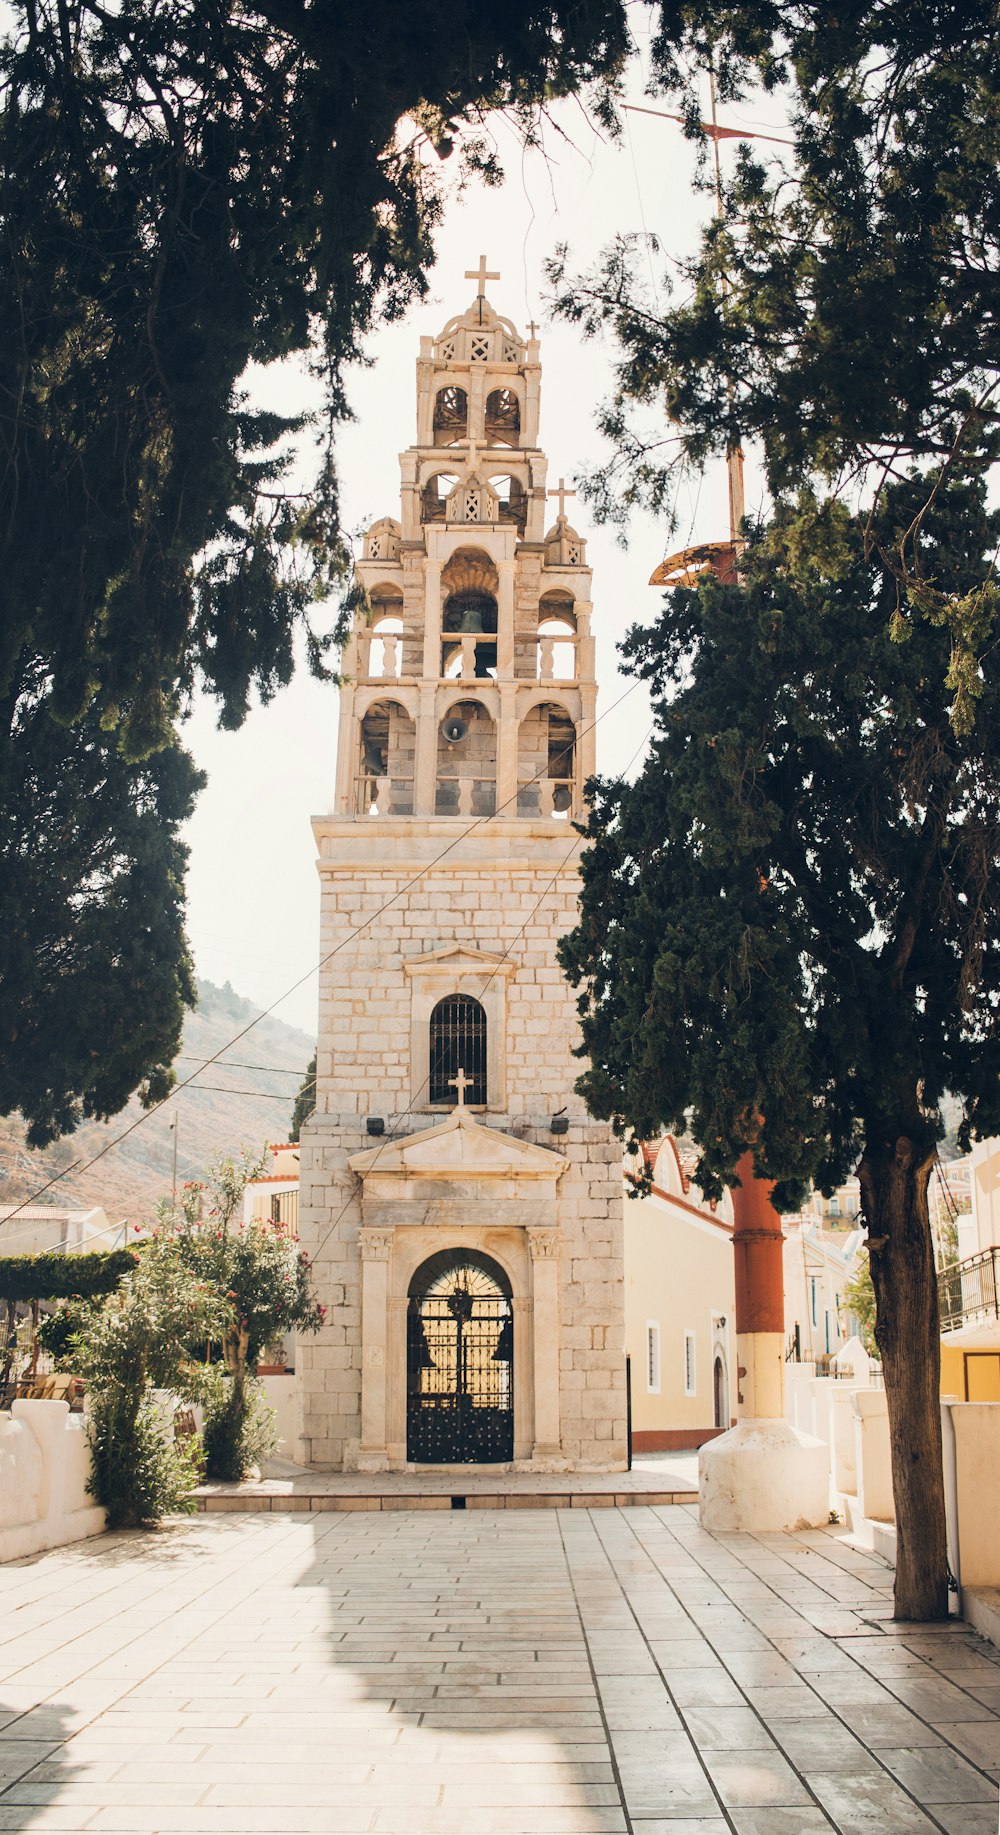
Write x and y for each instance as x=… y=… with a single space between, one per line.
x=458 y=1043
x=652 y=1357
x=812 y=1300
x=690 y=1385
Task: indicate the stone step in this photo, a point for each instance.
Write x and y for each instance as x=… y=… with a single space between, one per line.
x=238 y=1498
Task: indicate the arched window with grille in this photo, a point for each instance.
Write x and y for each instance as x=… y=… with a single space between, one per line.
x=458 y=1042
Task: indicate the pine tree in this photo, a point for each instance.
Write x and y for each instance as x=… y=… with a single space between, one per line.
x=794 y=912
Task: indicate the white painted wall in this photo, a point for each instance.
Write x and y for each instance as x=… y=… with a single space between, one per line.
x=44 y=1467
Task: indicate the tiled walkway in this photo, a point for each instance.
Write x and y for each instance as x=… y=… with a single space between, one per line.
x=562 y=1672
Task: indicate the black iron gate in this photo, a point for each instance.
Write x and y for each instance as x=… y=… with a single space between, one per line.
x=460 y=1362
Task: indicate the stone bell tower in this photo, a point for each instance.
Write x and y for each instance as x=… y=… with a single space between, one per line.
x=463 y=1212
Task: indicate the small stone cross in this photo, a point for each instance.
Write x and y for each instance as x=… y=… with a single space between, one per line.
x=461 y=1082
x=482 y=274
x=532 y=328
x=562 y=493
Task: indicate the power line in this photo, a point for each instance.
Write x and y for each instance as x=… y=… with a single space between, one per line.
x=479 y=822
x=394 y=1135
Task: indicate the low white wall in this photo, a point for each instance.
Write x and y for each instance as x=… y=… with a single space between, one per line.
x=44 y=1467
x=281 y=1394
x=872 y=1458
x=975 y=1499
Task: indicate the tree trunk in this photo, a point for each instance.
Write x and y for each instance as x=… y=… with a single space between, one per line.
x=894 y=1177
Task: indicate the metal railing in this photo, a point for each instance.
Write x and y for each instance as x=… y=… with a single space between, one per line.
x=968 y=1291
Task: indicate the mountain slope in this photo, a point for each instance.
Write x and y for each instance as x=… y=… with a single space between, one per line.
x=244 y=1099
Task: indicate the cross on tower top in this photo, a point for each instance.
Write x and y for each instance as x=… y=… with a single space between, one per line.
x=482 y=274
x=562 y=493
x=532 y=328
x=460 y=1081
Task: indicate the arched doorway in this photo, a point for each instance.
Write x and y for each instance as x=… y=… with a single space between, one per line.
x=460 y=1361
x=719 y=1393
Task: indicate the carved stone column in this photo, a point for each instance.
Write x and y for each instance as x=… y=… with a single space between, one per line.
x=544 y=1243
x=375 y=1247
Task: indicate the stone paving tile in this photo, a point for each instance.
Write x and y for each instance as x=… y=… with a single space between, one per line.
x=522 y=1673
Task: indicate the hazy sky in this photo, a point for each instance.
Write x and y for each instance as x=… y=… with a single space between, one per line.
x=252 y=884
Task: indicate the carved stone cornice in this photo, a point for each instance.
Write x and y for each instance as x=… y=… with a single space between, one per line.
x=375 y=1245
x=544 y=1243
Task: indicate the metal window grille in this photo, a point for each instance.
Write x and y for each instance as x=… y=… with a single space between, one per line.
x=652 y=1358
x=689 y=1364
x=458 y=1042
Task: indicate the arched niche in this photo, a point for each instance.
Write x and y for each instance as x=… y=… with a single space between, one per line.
x=469 y=616
x=383 y=640
x=511 y=497
x=503 y=417
x=451 y=415
x=387 y=746
x=557 y=629
x=457 y=1042
x=466 y=761
x=546 y=762
x=434 y=494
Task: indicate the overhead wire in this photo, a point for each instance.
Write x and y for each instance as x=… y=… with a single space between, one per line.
x=394 y=1133
x=352 y=931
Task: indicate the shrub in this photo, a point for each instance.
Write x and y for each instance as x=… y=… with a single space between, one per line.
x=135 y=1341
x=239 y=1426
x=267 y=1284
x=140 y=1471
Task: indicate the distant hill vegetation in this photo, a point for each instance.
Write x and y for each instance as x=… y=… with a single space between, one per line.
x=245 y=1099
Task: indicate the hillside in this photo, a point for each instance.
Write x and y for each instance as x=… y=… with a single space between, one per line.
x=233 y=1103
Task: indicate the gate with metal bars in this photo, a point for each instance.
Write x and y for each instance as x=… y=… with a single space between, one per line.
x=460 y=1362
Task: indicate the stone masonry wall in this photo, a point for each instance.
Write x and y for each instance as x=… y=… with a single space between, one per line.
x=363 y=1067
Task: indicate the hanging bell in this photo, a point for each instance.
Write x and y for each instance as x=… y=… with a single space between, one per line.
x=454 y=729
x=562 y=797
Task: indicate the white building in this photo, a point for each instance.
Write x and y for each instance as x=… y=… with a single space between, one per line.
x=463 y=1212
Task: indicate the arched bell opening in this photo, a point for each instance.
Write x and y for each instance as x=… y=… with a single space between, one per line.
x=466 y=762
x=387 y=757
x=382 y=644
x=511 y=497
x=546 y=763
x=451 y=415
x=460 y=1361
x=469 y=617
x=557 y=629
x=434 y=495
x=503 y=418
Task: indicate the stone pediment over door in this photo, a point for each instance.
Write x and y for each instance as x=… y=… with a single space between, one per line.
x=460 y=1168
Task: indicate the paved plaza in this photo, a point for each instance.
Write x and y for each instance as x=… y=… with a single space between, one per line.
x=525 y=1672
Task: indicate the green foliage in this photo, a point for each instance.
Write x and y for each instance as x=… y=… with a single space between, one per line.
x=140 y=1472
x=188 y=191
x=136 y=1341
x=842 y=312
x=64 y=1277
x=94 y=966
x=239 y=1430
x=794 y=910
x=305 y=1101
x=859 y=1298
x=266 y=1283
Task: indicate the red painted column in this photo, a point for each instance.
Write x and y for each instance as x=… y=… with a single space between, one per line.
x=760 y=1301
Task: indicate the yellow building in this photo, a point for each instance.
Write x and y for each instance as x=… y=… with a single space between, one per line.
x=679 y=1295
x=970 y=1290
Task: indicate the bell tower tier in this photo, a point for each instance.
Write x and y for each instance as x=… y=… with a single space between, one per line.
x=462 y=1210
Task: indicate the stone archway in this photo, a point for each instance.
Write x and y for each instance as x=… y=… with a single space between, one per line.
x=460 y=1361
